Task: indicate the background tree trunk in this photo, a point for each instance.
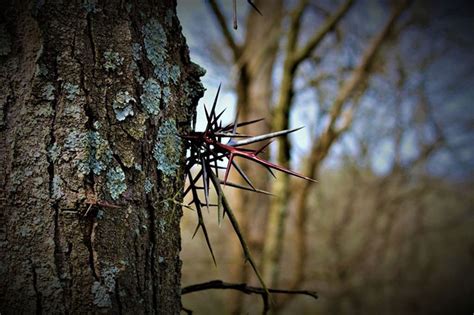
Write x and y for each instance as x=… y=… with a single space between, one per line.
x=93 y=97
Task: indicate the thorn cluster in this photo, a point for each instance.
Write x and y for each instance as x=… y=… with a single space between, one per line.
x=219 y=143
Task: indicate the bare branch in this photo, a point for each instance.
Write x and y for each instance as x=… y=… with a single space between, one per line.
x=329 y=24
x=243 y=287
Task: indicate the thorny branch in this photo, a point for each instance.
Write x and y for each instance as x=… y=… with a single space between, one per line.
x=207 y=148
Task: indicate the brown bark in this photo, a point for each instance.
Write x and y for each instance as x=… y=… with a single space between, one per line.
x=93 y=97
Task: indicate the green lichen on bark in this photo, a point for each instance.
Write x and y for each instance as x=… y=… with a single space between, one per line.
x=123 y=105
x=136 y=51
x=148 y=185
x=48 y=92
x=57 y=183
x=71 y=90
x=156 y=43
x=137 y=127
x=116 y=182
x=100 y=153
x=95 y=152
x=150 y=99
x=54 y=151
x=156 y=47
x=168 y=148
x=113 y=60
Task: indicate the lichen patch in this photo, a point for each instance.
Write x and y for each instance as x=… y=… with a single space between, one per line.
x=123 y=105
x=116 y=182
x=168 y=148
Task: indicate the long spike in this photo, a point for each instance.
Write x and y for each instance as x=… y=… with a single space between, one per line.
x=214 y=121
x=234 y=185
x=244 y=176
x=205 y=181
x=203 y=226
x=245 y=123
x=237 y=231
x=263 y=148
x=213 y=110
x=192 y=182
x=229 y=165
x=254 y=7
x=272 y=165
x=264 y=137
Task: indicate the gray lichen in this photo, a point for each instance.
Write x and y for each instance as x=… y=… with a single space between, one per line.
x=156 y=44
x=48 y=92
x=57 y=192
x=136 y=51
x=116 y=182
x=123 y=105
x=162 y=226
x=75 y=141
x=109 y=275
x=156 y=48
x=113 y=60
x=100 y=153
x=138 y=167
x=71 y=90
x=74 y=111
x=101 y=295
x=102 y=291
x=54 y=151
x=166 y=95
x=175 y=73
x=148 y=185
x=150 y=99
x=168 y=148
x=95 y=150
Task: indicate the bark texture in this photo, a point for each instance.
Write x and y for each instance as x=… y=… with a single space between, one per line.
x=93 y=97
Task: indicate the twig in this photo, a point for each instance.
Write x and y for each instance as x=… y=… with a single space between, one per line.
x=243 y=287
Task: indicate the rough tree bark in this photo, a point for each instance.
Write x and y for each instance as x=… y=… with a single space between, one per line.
x=93 y=97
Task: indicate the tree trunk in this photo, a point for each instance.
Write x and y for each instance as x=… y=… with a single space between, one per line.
x=94 y=96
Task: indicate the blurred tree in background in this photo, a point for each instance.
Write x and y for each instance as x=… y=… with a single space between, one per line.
x=383 y=90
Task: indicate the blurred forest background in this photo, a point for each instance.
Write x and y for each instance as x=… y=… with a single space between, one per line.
x=385 y=91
